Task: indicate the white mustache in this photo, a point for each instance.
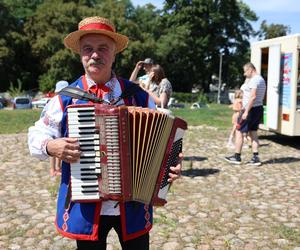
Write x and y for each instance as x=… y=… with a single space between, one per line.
x=95 y=62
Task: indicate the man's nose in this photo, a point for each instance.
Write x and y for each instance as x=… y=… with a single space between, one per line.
x=95 y=54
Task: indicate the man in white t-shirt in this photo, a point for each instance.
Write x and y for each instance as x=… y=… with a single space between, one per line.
x=253 y=96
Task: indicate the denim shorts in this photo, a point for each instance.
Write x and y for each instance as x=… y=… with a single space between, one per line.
x=254 y=118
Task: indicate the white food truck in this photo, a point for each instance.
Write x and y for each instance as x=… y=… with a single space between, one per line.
x=277 y=60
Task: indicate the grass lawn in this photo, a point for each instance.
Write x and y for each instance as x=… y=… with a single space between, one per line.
x=216 y=115
x=219 y=116
x=18 y=120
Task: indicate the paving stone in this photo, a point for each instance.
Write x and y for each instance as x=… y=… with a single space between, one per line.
x=214 y=205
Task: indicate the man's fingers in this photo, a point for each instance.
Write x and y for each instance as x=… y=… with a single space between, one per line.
x=175 y=170
x=73 y=147
x=70 y=140
x=173 y=177
x=73 y=153
x=70 y=159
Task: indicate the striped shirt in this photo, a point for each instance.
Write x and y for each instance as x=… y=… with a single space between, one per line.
x=258 y=83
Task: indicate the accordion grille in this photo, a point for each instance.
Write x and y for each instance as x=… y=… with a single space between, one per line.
x=149 y=133
x=111 y=171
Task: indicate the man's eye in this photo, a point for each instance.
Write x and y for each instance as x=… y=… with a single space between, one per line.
x=87 y=49
x=102 y=49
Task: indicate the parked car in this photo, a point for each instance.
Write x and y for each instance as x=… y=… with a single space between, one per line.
x=22 y=102
x=198 y=105
x=41 y=103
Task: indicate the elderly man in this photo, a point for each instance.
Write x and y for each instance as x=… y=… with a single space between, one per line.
x=253 y=95
x=89 y=223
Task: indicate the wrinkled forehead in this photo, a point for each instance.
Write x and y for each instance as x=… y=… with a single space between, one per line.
x=96 y=40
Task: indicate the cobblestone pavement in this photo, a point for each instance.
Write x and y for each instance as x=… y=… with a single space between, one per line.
x=212 y=206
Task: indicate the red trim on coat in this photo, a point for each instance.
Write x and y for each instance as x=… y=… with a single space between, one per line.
x=74 y=236
x=131 y=236
x=84 y=83
x=96 y=220
x=93 y=236
x=61 y=103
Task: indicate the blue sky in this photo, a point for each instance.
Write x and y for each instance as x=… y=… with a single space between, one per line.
x=286 y=12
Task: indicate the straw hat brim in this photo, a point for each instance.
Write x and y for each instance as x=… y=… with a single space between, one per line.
x=72 y=40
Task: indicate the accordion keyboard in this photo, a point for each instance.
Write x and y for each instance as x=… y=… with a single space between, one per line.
x=85 y=172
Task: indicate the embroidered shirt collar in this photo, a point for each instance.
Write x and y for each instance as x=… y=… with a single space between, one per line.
x=110 y=84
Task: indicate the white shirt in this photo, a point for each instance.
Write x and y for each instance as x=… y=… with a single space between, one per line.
x=255 y=82
x=48 y=127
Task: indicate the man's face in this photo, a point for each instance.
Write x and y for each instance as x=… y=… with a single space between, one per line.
x=248 y=72
x=97 y=54
x=147 y=67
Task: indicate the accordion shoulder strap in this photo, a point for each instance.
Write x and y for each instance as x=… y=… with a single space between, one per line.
x=140 y=96
x=124 y=84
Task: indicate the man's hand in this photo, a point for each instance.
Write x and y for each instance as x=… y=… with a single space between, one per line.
x=176 y=170
x=66 y=149
x=139 y=64
x=245 y=115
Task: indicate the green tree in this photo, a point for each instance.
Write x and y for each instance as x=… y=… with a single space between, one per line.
x=185 y=37
x=52 y=21
x=273 y=30
x=195 y=34
x=21 y=9
x=15 y=57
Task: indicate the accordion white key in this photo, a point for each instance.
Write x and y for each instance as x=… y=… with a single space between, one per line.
x=126 y=154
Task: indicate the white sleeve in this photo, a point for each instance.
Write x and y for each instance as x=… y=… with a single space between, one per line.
x=253 y=82
x=46 y=128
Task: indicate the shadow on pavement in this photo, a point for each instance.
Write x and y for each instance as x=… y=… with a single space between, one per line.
x=292 y=141
x=194 y=158
x=199 y=172
x=282 y=160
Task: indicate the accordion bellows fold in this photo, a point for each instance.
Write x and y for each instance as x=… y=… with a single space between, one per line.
x=126 y=154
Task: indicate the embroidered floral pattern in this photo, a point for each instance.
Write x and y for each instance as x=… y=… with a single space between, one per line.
x=147 y=216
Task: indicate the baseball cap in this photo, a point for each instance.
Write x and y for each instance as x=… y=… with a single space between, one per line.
x=148 y=61
x=60 y=85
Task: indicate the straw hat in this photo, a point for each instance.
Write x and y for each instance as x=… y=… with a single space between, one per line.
x=95 y=25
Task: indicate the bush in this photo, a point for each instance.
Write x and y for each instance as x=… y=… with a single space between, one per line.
x=190 y=97
x=15 y=91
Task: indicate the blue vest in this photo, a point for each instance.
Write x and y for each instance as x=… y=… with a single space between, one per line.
x=81 y=221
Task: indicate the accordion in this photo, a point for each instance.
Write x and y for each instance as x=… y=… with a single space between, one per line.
x=126 y=152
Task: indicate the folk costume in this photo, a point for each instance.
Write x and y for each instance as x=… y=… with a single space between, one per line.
x=82 y=221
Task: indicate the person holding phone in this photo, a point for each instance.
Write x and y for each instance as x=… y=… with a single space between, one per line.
x=146 y=65
x=158 y=86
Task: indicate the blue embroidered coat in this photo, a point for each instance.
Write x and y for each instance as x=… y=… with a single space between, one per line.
x=81 y=221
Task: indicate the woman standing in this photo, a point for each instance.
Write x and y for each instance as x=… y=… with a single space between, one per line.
x=158 y=86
